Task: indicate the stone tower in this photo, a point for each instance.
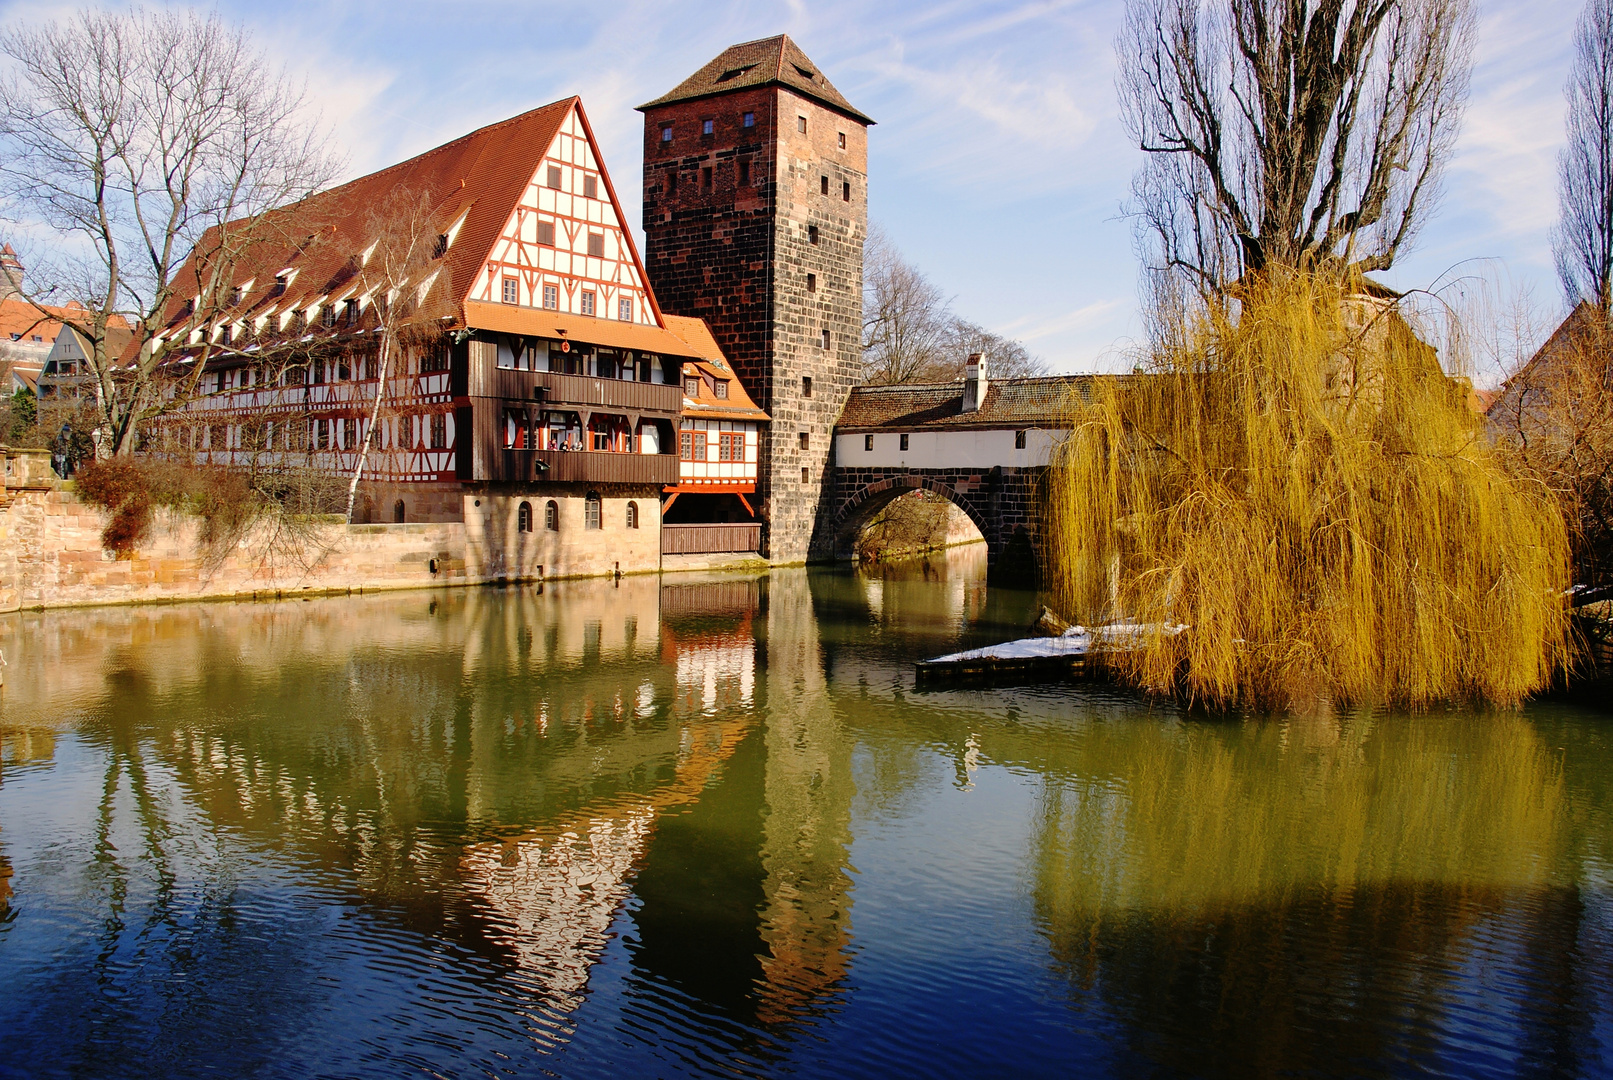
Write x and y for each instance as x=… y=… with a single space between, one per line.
x=755 y=214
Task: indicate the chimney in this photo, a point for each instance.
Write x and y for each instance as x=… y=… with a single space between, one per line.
x=974 y=382
x=10 y=273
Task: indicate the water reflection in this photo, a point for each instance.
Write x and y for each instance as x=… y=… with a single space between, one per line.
x=706 y=826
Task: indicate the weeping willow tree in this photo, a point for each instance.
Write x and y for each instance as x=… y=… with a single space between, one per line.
x=1296 y=500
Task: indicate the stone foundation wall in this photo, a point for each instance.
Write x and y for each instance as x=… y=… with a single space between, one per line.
x=51 y=554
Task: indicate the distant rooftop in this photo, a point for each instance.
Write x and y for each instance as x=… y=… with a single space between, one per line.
x=768 y=62
x=1038 y=402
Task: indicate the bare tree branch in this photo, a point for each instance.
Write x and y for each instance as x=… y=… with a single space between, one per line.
x=1583 y=239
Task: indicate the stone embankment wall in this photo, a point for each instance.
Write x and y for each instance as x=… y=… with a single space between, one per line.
x=51 y=554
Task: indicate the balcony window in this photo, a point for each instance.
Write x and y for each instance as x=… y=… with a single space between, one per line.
x=515 y=430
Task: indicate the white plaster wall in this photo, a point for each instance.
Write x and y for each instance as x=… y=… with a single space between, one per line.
x=974 y=449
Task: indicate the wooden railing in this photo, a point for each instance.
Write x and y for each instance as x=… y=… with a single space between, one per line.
x=586 y=390
x=590 y=466
x=705 y=539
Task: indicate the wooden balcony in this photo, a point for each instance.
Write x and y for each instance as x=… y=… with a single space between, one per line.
x=704 y=539
x=587 y=467
x=616 y=395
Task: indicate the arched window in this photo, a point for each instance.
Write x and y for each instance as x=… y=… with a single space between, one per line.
x=523 y=518
x=591 y=511
x=551 y=516
x=632 y=515
x=398 y=515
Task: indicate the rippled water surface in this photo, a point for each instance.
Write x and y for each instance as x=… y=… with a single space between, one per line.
x=706 y=827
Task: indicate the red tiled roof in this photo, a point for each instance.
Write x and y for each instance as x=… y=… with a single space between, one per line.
x=738 y=405
x=1037 y=402
x=478 y=177
x=768 y=62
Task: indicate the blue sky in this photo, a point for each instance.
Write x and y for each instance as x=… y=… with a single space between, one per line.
x=998 y=164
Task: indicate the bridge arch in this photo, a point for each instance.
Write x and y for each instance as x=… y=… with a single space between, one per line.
x=858 y=507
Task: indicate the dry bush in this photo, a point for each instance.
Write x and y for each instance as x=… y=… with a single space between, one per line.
x=287 y=505
x=1304 y=490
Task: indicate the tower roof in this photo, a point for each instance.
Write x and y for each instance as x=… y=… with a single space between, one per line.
x=774 y=61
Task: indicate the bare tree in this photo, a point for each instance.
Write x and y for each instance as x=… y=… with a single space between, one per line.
x=397 y=274
x=910 y=333
x=905 y=316
x=1299 y=133
x=144 y=137
x=1583 y=239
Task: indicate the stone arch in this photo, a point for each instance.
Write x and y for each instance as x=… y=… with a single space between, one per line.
x=868 y=500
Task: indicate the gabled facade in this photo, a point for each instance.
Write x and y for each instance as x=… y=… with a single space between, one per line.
x=536 y=396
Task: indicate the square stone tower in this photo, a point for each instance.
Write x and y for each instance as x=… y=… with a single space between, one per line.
x=755 y=215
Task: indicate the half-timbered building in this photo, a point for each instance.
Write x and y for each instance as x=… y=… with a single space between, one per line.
x=536 y=391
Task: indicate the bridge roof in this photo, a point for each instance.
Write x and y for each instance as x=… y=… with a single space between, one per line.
x=1010 y=403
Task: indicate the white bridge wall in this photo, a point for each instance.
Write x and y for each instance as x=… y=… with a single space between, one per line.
x=971 y=449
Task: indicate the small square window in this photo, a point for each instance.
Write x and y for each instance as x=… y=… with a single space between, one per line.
x=904 y=440
x=554 y=177
x=749 y=120
x=1019 y=440
x=806 y=475
x=587 y=303
x=842 y=140
x=512 y=291
x=826 y=339
x=812 y=283
x=868 y=442
x=590 y=187
x=823 y=185
x=551 y=297
x=705 y=127
x=800 y=124
x=666 y=133
x=596 y=245
x=806 y=441
x=806 y=386
x=624 y=310
x=845 y=191
x=546 y=233
x=720 y=388
x=812 y=234
x=691 y=387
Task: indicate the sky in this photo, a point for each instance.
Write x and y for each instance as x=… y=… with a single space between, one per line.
x=998 y=163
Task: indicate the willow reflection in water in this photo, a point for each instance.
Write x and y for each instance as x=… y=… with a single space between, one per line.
x=706 y=827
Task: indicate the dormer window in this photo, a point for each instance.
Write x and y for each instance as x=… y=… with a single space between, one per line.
x=350 y=312
x=327 y=316
x=691 y=387
x=720 y=388
x=280 y=281
x=236 y=294
x=440 y=248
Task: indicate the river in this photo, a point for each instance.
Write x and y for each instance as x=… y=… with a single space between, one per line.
x=707 y=827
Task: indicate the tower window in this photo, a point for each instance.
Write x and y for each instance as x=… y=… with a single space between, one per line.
x=705 y=127
x=806 y=475
x=812 y=234
x=749 y=119
x=806 y=440
x=800 y=124
x=904 y=440
x=806 y=386
x=868 y=442
x=705 y=178
x=845 y=191
x=590 y=187
x=624 y=309
x=596 y=245
x=587 y=303
x=1019 y=440
x=512 y=291
x=666 y=134
x=823 y=185
x=551 y=297
x=744 y=172
x=546 y=233
x=812 y=283
x=842 y=140
x=826 y=339
x=554 y=177
x=672 y=181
